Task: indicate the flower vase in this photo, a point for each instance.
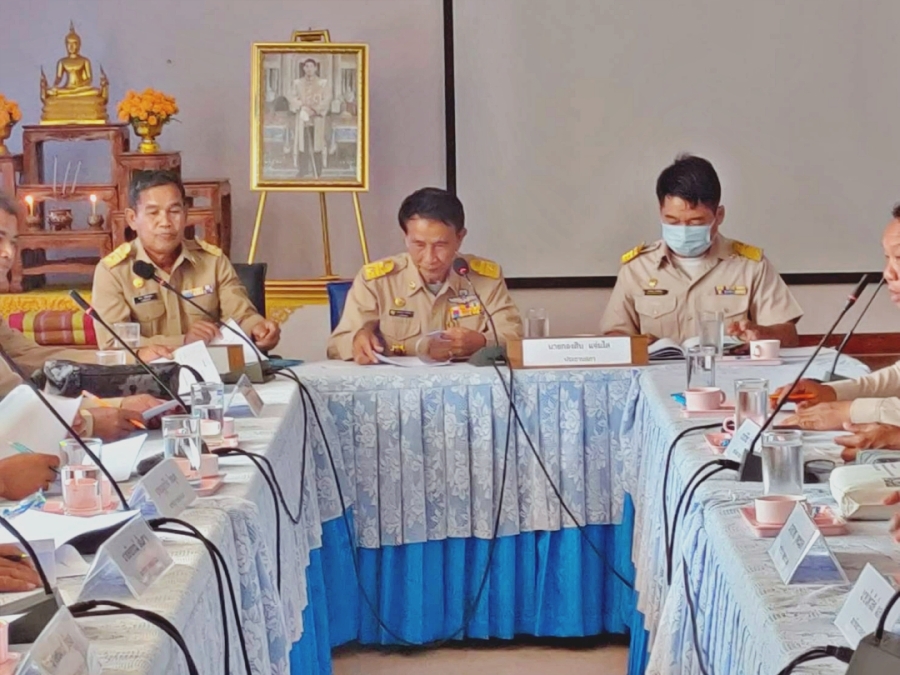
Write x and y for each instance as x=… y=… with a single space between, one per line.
x=148 y=133
x=5 y=132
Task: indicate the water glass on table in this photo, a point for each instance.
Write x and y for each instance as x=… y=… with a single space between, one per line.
x=130 y=332
x=208 y=404
x=181 y=438
x=537 y=323
x=782 y=462
x=751 y=401
x=701 y=367
x=111 y=357
x=711 y=329
x=82 y=489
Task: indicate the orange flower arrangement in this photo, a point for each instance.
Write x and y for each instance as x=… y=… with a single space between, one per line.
x=150 y=106
x=9 y=112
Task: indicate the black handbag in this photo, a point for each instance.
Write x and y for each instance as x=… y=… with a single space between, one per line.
x=69 y=378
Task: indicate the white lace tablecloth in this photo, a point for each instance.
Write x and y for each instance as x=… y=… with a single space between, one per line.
x=425 y=448
x=749 y=621
x=240 y=520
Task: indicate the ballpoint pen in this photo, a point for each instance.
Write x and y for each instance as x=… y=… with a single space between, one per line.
x=106 y=404
x=25 y=450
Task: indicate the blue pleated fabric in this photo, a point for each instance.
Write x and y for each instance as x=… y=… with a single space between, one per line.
x=543 y=584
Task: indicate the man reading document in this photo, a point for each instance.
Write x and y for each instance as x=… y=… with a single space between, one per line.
x=664 y=285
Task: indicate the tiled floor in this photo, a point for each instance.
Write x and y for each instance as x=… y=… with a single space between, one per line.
x=499 y=660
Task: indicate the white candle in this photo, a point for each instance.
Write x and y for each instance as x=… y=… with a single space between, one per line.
x=75 y=180
x=66 y=177
x=54 y=175
x=30 y=201
x=93 y=205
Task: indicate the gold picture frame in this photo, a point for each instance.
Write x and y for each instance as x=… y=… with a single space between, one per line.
x=311 y=36
x=310 y=116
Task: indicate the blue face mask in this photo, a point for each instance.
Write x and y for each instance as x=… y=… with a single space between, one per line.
x=688 y=241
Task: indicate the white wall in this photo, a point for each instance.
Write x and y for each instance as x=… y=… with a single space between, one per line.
x=199 y=52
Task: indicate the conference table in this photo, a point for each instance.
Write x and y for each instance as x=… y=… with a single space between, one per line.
x=427 y=516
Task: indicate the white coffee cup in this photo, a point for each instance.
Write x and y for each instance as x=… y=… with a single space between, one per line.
x=765 y=349
x=776 y=509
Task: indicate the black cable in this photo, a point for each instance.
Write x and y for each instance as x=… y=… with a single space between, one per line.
x=665 y=486
x=216 y=556
x=92 y=608
x=879 y=632
x=581 y=528
x=304 y=391
x=670 y=546
x=257 y=460
x=843 y=654
x=693 y=612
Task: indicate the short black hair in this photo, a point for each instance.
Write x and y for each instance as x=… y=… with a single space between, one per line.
x=693 y=179
x=8 y=204
x=434 y=204
x=145 y=180
x=896 y=212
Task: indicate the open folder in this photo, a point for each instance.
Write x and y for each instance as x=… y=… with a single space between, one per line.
x=24 y=419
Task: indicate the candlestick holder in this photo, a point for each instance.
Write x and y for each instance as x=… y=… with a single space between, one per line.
x=96 y=221
x=34 y=223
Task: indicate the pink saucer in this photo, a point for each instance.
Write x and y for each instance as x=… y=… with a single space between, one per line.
x=829 y=523
x=226 y=442
x=717 y=442
x=56 y=507
x=724 y=411
x=210 y=486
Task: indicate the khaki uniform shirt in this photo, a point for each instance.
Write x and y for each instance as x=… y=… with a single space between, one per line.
x=200 y=271
x=655 y=297
x=393 y=293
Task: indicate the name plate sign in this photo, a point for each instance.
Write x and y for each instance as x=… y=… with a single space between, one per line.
x=864 y=606
x=739 y=446
x=577 y=352
x=165 y=488
x=133 y=556
x=62 y=648
x=801 y=555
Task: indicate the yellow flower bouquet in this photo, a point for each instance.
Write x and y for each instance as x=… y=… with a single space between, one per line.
x=9 y=115
x=147 y=112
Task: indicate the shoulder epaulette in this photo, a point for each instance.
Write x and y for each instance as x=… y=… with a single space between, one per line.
x=212 y=249
x=117 y=256
x=633 y=253
x=747 y=251
x=377 y=269
x=486 y=268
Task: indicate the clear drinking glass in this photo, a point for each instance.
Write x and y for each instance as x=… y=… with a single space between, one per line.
x=81 y=489
x=701 y=367
x=208 y=403
x=751 y=401
x=111 y=357
x=782 y=462
x=130 y=332
x=537 y=323
x=181 y=438
x=72 y=449
x=711 y=329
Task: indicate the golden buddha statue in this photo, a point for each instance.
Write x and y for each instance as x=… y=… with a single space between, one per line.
x=72 y=99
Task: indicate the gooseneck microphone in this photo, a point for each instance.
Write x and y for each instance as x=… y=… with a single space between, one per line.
x=95 y=315
x=146 y=271
x=831 y=376
x=123 y=503
x=751 y=467
x=487 y=355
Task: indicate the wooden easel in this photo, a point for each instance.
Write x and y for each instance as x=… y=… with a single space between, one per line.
x=315 y=36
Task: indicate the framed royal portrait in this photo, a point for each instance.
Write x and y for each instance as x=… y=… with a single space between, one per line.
x=310 y=117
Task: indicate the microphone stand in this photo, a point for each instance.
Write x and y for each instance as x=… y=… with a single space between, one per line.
x=90 y=311
x=36 y=611
x=487 y=355
x=123 y=503
x=831 y=376
x=751 y=466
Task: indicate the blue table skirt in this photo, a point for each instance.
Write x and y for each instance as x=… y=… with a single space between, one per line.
x=543 y=584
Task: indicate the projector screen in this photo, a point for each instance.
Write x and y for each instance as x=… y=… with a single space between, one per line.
x=567 y=111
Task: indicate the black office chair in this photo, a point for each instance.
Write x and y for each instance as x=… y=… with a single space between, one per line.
x=253 y=277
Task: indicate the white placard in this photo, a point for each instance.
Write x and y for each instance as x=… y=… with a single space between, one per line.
x=166 y=488
x=62 y=648
x=739 y=445
x=580 y=351
x=801 y=555
x=228 y=337
x=197 y=356
x=133 y=555
x=248 y=391
x=864 y=605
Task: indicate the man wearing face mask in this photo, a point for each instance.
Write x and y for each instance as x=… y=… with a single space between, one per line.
x=396 y=301
x=663 y=286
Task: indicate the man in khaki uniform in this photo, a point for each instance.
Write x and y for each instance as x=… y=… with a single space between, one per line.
x=197 y=269
x=662 y=287
x=396 y=301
